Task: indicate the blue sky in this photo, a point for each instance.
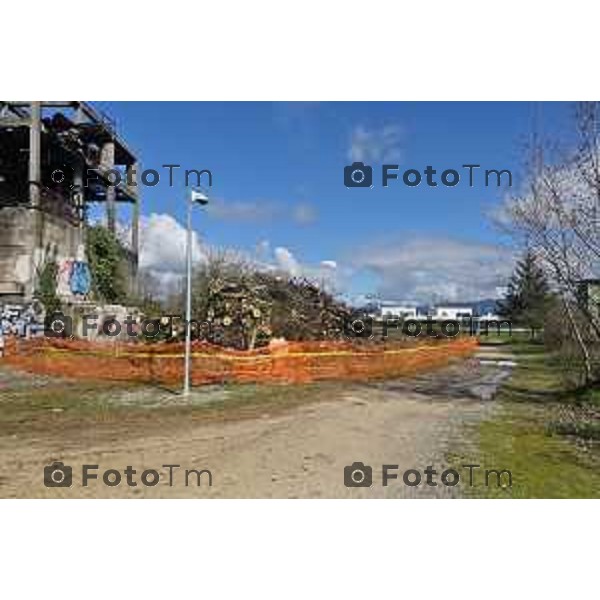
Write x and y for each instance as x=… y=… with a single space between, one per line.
x=278 y=186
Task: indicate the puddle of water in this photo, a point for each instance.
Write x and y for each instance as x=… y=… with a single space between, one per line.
x=498 y=363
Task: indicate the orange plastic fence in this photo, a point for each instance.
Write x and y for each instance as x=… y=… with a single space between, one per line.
x=294 y=362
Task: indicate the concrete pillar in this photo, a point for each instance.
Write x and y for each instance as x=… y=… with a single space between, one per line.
x=78 y=197
x=107 y=161
x=135 y=219
x=78 y=181
x=79 y=168
x=35 y=153
x=35 y=169
x=35 y=178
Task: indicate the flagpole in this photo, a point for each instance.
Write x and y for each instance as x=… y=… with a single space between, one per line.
x=188 y=302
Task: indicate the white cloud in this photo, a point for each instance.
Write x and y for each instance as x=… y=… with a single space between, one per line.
x=329 y=264
x=163 y=244
x=325 y=273
x=163 y=254
x=375 y=145
x=286 y=261
x=437 y=269
x=423 y=269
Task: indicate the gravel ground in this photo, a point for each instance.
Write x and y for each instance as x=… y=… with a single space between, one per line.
x=298 y=453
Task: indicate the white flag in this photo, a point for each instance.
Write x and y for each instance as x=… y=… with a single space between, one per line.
x=199 y=197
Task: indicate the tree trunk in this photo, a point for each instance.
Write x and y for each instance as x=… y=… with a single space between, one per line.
x=589 y=376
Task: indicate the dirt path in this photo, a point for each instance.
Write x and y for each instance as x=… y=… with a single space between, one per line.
x=300 y=453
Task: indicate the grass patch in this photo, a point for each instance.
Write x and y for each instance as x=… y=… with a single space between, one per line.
x=542 y=465
x=543 y=433
x=25 y=410
x=34 y=406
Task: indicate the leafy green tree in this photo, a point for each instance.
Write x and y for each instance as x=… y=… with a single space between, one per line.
x=529 y=297
x=105 y=256
x=46 y=287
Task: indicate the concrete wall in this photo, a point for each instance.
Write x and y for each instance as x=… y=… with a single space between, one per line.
x=19 y=257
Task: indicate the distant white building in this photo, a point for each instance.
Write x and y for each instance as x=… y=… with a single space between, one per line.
x=453 y=311
x=401 y=311
x=450 y=311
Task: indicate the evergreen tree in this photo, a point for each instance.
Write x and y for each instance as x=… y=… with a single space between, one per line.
x=528 y=294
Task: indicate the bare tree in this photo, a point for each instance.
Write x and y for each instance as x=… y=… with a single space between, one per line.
x=557 y=219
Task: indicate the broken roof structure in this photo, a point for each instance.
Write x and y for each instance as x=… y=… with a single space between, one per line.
x=47 y=151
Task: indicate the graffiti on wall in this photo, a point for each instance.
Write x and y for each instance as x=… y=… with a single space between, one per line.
x=74 y=278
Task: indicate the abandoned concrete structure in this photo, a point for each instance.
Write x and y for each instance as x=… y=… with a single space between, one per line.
x=47 y=151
